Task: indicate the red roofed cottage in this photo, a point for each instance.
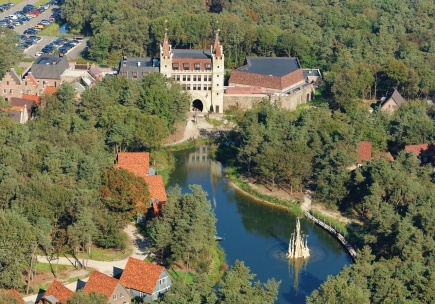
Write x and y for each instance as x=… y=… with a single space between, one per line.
x=145 y=281
x=56 y=293
x=102 y=283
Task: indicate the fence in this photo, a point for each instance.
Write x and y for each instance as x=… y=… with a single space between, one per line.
x=334 y=232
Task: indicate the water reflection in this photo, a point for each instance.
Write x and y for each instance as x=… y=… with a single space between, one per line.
x=258 y=234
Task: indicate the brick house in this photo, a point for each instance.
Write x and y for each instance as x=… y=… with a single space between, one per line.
x=364 y=152
x=145 y=281
x=48 y=69
x=56 y=293
x=394 y=102
x=20 y=109
x=102 y=283
x=13 y=85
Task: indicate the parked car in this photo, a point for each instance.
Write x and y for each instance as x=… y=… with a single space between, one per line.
x=37 y=38
x=31 y=15
x=40 y=26
x=59 y=41
x=73 y=42
x=12 y=17
x=37 y=54
x=46 y=23
x=35 y=12
x=10 y=26
x=24 y=19
x=31 y=31
x=17 y=23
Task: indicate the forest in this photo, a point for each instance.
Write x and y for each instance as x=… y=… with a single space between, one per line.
x=364 y=48
x=316 y=148
x=59 y=191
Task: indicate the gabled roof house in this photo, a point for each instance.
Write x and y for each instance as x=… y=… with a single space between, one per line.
x=425 y=152
x=56 y=293
x=145 y=281
x=102 y=283
x=394 y=102
x=364 y=152
x=12 y=293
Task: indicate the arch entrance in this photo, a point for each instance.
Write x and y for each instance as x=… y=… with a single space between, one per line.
x=197 y=105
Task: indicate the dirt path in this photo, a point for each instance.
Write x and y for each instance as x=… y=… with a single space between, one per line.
x=304 y=199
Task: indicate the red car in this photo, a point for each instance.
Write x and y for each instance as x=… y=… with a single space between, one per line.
x=36 y=13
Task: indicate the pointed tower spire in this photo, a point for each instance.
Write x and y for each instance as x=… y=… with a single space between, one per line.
x=166 y=45
x=217 y=46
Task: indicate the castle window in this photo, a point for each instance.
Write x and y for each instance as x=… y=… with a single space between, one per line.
x=188 y=77
x=199 y=77
x=11 y=91
x=184 y=77
x=7 y=82
x=25 y=82
x=175 y=66
x=194 y=77
x=208 y=66
x=194 y=87
x=209 y=87
x=205 y=87
x=4 y=91
x=134 y=75
x=188 y=87
x=186 y=66
x=197 y=66
x=178 y=77
x=209 y=77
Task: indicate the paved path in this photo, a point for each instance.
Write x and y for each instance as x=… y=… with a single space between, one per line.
x=139 y=252
x=110 y=268
x=306 y=207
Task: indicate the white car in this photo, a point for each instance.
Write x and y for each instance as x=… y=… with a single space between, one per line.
x=37 y=54
x=12 y=17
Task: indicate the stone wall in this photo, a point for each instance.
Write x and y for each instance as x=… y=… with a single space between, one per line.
x=286 y=101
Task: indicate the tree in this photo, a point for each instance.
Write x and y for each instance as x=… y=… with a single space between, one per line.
x=9 y=53
x=124 y=192
x=80 y=297
x=186 y=228
x=237 y=287
x=17 y=238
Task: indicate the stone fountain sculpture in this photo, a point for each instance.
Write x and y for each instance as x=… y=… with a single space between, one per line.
x=298 y=247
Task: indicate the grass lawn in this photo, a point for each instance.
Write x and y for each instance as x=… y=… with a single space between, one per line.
x=53 y=30
x=104 y=255
x=13 y=1
x=214 y=122
x=330 y=221
x=181 y=275
x=39 y=2
x=46 y=268
x=19 y=70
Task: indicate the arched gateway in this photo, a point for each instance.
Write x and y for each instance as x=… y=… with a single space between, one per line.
x=197 y=105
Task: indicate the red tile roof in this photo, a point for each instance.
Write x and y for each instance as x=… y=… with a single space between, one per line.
x=50 y=90
x=59 y=291
x=418 y=149
x=14 y=294
x=35 y=98
x=101 y=283
x=265 y=81
x=141 y=275
x=217 y=47
x=137 y=163
x=166 y=46
x=364 y=151
x=156 y=187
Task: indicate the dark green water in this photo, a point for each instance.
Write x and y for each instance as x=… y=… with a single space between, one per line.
x=259 y=234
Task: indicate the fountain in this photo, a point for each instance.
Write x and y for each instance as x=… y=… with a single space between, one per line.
x=298 y=247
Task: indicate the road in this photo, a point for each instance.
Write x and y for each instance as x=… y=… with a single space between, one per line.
x=72 y=54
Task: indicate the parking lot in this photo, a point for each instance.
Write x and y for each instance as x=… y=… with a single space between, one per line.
x=73 y=53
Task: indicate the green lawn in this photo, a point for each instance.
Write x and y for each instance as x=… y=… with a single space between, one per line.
x=181 y=275
x=53 y=30
x=13 y=1
x=39 y=2
x=19 y=70
x=46 y=268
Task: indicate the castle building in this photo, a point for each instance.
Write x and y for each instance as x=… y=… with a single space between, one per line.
x=200 y=72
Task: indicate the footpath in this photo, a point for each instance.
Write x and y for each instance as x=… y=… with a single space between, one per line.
x=110 y=268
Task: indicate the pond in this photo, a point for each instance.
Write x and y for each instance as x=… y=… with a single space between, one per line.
x=258 y=234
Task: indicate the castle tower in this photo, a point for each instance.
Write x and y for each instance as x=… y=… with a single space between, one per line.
x=166 y=57
x=217 y=91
